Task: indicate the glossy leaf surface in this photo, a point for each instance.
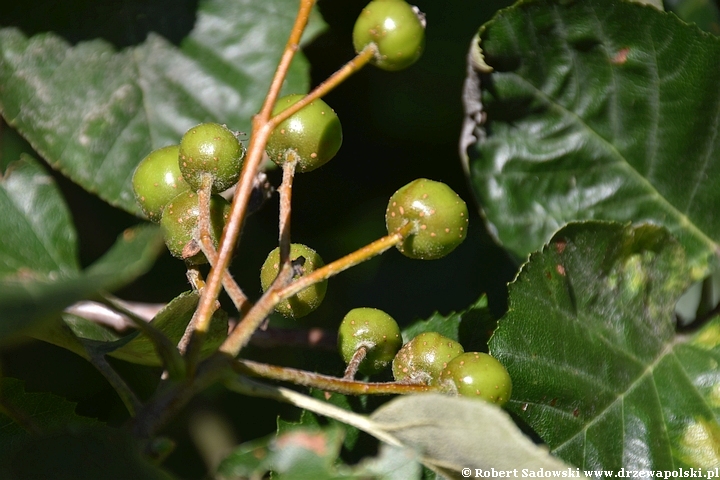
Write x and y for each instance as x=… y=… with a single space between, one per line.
x=598 y=369
x=595 y=110
x=39 y=271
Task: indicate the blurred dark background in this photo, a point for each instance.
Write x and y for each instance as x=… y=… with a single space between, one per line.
x=397 y=127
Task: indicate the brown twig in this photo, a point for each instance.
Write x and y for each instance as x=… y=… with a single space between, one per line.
x=286 y=288
x=326 y=382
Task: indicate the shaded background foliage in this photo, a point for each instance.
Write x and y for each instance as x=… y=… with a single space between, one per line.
x=397 y=127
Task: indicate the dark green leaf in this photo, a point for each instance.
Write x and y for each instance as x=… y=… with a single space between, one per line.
x=171 y=321
x=25 y=413
x=595 y=110
x=27 y=300
x=94 y=113
x=38 y=237
x=704 y=13
x=472 y=328
x=598 y=369
x=86 y=453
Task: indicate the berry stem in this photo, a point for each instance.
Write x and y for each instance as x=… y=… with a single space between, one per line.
x=350 y=260
x=283 y=288
x=247 y=386
x=325 y=382
x=262 y=128
x=285 y=192
x=242 y=304
x=354 y=363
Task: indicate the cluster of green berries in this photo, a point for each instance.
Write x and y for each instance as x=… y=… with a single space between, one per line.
x=167 y=180
x=429 y=358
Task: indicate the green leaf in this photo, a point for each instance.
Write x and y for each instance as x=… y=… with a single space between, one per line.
x=85 y=453
x=38 y=233
x=704 y=13
x=595 y=110
x=454 y=433
x=472 y=327
x=598 y=369
x=312 y=453
x=28 y=300
x=25 y=413
x=94 y=113
x=171 y=321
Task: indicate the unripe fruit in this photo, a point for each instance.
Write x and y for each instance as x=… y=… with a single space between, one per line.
x=157 y=180
x=373 y=329
x=438 y=214
x=210 y=148
x=179 y=224
x=313 y=134
x=398 y=30
x=477 y=375
x=306 y=300
x=422 y=359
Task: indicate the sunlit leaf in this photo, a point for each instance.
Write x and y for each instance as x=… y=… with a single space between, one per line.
x=94 y=112
x=598 y=369
x=595 y=110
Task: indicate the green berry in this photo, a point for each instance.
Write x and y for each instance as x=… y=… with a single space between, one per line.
x=313 y=134
x=396 y=28
x=306 y=300
x=438 y=215
x=157 y=180
x=210 y=148
x=373 y=329
x=477 y=375
x=423 y=358
x=180 y=220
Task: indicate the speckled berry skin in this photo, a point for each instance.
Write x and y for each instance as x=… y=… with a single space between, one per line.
x=438 y=214
x=157 y=180
x=422 y=359
x=373 y=329
x=211 y=148
x=477 y=375
x=180 y=220
x=306 y=300
x=314 y=134
x=396 y=28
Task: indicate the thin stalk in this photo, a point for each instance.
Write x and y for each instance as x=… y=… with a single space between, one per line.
x=279 y=291
x=128 y=397
x=285 y=192
x=354 y=363
x=326 y=382
x=259 y=136
x=263 y=126
x=250 y=387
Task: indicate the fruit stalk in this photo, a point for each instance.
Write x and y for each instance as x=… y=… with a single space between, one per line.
x=262 y=127
x=326 y=382
x=285 y=192
x=285 y=288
